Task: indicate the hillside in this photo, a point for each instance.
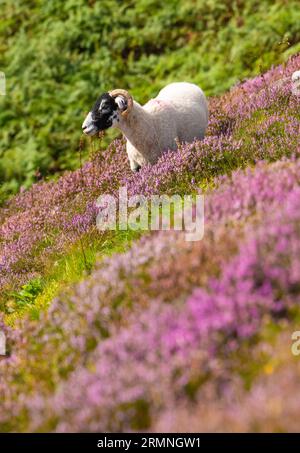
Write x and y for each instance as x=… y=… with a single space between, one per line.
x=190 y=327
x=59 y=56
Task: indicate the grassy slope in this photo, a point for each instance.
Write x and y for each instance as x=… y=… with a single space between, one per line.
x=58 y=56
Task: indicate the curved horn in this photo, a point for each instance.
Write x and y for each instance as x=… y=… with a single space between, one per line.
x=127 y=96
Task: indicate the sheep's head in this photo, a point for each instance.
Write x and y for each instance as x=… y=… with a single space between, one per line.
x=107 y=111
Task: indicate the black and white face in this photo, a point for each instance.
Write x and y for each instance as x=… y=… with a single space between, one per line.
x=104 y=114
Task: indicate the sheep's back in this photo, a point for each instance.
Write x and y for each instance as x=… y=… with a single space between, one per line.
x=190 y=106
x=179 y=111
x=182 y=93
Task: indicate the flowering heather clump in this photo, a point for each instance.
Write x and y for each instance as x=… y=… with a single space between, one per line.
x=249 y=191
x=270 y=405
x=43 y=220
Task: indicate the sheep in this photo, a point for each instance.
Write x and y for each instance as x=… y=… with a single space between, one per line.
x=178 y=114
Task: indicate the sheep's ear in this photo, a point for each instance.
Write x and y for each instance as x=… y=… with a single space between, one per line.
x=121 y=103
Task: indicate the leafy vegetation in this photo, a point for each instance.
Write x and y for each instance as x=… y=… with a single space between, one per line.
x=28 y=293
x=58 y=56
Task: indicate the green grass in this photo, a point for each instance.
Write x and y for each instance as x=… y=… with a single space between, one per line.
x=76 y=265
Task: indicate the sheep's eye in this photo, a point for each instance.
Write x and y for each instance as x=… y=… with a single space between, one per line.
x=104 y=105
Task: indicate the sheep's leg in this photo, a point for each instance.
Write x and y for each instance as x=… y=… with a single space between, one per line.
x=134 y=166
x=136 y=160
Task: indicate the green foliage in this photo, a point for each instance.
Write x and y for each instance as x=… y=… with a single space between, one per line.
x=27 y=295
x=59 y=56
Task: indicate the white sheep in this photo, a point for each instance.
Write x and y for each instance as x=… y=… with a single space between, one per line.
x=178 y=113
